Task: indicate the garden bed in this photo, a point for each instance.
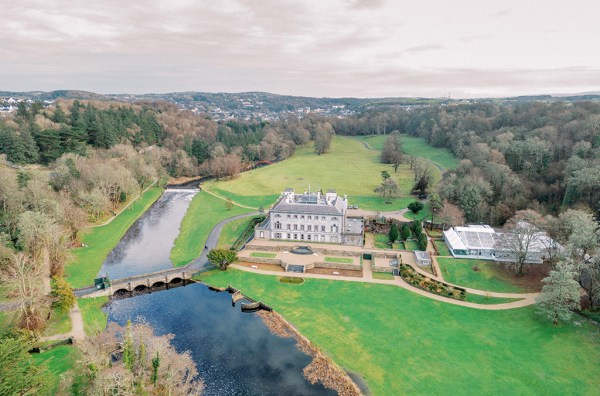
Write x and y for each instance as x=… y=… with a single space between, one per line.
x=291 y=279
x=263 y=254
x=339 y=260
x=412 y=277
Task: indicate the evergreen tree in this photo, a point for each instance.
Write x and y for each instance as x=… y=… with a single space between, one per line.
x=393 y=234
x=19 y=374
x=59 y=115
x=560 y=294
x=405 y=232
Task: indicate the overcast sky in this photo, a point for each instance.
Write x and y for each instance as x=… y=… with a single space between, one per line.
x=361 y=48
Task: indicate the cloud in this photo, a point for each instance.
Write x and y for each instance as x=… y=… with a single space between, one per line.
x=324 y=48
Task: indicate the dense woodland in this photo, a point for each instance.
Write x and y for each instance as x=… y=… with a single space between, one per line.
x=535 y=155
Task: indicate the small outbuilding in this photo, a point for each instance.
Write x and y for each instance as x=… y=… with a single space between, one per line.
x=423 y=258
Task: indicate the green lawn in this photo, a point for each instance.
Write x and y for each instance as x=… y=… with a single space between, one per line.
x=339 y=260
x=442 y=248
x=418 y=147
x=404 y=343
x=231 y=232
x=262 y=254
x=59 y=323
x=94 y=319
x=478 y=299
x=59 y=360
x=383 y=275
x=490 y=276
x=421 y=215
x=381 y=241
x=204 y=212
x=410 y=245
x=85 y=262
x=347 y=162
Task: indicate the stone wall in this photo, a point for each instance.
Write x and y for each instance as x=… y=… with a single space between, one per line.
x=262 y=260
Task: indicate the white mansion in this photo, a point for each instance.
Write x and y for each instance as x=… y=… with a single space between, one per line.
x=311 y=217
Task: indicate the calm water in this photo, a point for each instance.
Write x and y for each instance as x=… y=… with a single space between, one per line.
x=235 y=352
x=146 y=246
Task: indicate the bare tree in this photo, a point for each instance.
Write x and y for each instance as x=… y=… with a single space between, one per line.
x=520 y=241
x=22 y=279
x=450 y=215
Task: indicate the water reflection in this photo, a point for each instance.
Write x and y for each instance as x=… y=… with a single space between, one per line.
x=235 y=352
x=146 y=246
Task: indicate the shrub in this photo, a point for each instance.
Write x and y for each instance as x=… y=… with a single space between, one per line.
x=415 y=207
x=405 y=232
x=64 y=298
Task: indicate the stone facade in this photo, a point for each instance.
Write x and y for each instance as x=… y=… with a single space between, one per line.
x=311 y=217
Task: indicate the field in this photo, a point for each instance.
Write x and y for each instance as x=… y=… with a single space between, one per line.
x=418 y=147
x=85 y=262
x=94 y=320
x=338 y=260
x=490 y=277
x=231 y=232
x=349 y=167
x=204 y=212
x=263 y=254
x=403 y=343
x=442 y=248
x=59 y=360
x=59 y=323
x=383 y=275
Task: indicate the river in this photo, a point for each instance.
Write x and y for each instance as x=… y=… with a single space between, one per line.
x=235 y=352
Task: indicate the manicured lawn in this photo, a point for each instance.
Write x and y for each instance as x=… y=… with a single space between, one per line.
x=403 y=343
x=490 y=276
x=231 y=232
x=94 y=319
x=478 y=299
x=204 y=212
x=59 y=360
x=338 y=260
x=442 y=248
x=381 y=241
x=60 y=323
x=262 y=254
x=410 y=245
x=418 y=147
x=350 y=169
x=383 y=275
x=420 y=215
x=85 y=262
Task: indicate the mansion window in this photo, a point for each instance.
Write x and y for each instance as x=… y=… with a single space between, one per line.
x=302 y=236
x=295 y=227
x=334 y=219
x=289 y=226
x=277 y=225
x=309 y=227
x=309 y=217
x=278 y=235
x=289 y=236
x=322 y=228
x=295 y=236
x=308 y=237
x=322 y=218
x=301 y=227
x=295 y=216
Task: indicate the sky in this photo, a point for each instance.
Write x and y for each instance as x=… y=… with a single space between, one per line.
x=332 y=48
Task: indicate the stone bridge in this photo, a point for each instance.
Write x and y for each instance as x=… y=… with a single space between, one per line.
x=141 y=282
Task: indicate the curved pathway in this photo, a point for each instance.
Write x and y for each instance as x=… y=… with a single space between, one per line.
x=526 y=299
x=76 y=333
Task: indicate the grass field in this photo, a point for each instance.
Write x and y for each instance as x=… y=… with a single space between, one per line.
x=338 y=260
x=94 y=320
x=411 y=245
x=417 y=147
x=204 y=212
x=403 y=343
x=59 y=360
x=442 y=248
x=350 y=168
x=263 y=254
x=490 y=277
x=476 y=298
x=59 y=323
x=231 y=232
x=85 y=262
x=383 y=275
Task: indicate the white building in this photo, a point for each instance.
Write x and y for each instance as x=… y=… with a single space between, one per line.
x=311 y=217
x=483 y=242
x=423 y=258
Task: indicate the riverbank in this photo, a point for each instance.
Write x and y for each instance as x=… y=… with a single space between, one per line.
x=205 y=211
x=322 y=369
x=86 y=261
x=405 y=343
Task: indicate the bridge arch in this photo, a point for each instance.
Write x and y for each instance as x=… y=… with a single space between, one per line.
x=176 y=280
x=158 y=284
x=140 y=287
